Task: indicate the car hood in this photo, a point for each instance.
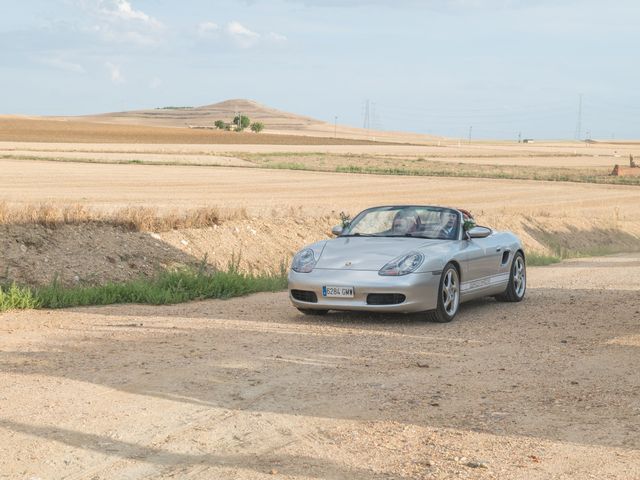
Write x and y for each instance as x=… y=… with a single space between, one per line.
x=368 y=253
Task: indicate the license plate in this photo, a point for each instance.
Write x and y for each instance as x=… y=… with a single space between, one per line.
x=343 y=292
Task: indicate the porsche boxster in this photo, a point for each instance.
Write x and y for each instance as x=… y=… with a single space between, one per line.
x=408 y=258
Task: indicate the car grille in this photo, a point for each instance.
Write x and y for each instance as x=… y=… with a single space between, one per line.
x=385 y=298
x=304 y=296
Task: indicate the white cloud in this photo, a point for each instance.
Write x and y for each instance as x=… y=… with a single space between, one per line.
x=61 y=64
x=207 y=29
x=115 y=73
x=117 y=21
x=240 y=34
x=123 y=10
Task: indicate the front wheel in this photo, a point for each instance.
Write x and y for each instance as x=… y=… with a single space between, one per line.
x=517 y=286
x=448 y=296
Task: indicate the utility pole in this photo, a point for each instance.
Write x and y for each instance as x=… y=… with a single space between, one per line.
x=519 y=137
x=367 y=115
x=470 y=130
x=579 y=124
x=335 y=126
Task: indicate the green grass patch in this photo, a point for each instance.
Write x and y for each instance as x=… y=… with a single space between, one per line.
x=287 y=166
x=535 y=259
x=168 y=288
x=493 y=171
x=15 y=297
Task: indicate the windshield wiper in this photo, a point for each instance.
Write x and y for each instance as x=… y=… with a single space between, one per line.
x=413 y=235
x=409 y=235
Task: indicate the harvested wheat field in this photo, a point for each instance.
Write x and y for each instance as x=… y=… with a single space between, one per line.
x=262 y=191
x=24 y=129
x=264 y=215
x=544 y=155
x=250 y=389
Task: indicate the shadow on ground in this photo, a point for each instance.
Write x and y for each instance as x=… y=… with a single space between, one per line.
x=544 y=368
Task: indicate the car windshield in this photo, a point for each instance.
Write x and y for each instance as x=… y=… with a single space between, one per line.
x=424 y=222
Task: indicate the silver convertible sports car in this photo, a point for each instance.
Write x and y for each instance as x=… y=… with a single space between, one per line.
x=408 y=258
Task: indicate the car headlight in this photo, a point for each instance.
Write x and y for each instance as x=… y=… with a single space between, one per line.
x=402 y=265
x=304 y=261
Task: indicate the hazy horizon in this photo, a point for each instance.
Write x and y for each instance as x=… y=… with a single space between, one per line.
x=497 y=67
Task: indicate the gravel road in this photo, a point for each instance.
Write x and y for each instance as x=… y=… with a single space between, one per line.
x=250 y=389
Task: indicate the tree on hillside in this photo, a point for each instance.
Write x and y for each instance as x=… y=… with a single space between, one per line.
x=220 y=125
x=241 y=122
x=257 y=127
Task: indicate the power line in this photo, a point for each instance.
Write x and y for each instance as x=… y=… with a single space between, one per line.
x=579 y=124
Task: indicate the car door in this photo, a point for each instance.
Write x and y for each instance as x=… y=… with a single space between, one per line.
x=483 y=258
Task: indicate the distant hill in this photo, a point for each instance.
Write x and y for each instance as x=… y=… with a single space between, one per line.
x=206 y=115
x=276 y=121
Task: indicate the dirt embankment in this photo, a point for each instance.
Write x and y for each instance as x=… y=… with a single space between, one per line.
x=95 y=253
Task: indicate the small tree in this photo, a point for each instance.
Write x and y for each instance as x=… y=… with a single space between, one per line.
x=257 y=127
x=241 y=122
x=220 y=125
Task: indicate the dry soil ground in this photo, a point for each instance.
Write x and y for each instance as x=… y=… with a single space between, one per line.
x=248 y=388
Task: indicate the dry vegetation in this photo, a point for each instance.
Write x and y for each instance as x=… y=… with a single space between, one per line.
x=135 y=219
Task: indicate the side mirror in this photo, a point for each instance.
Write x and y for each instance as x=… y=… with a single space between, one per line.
x=337 y=230
x=479 y=232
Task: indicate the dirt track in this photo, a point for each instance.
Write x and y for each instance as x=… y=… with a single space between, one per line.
x=249 y=389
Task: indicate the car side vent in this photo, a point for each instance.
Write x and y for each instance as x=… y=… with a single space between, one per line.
x=505 y=257
x=385 y=298
x=304 y=296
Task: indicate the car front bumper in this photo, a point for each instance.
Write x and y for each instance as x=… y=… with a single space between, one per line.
x=420 y=290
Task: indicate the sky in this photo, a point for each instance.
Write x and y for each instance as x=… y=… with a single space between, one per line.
x=485 y=68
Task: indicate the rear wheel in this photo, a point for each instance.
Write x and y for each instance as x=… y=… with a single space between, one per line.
x=309 y=311
x=448 y=296
x=517 y=285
